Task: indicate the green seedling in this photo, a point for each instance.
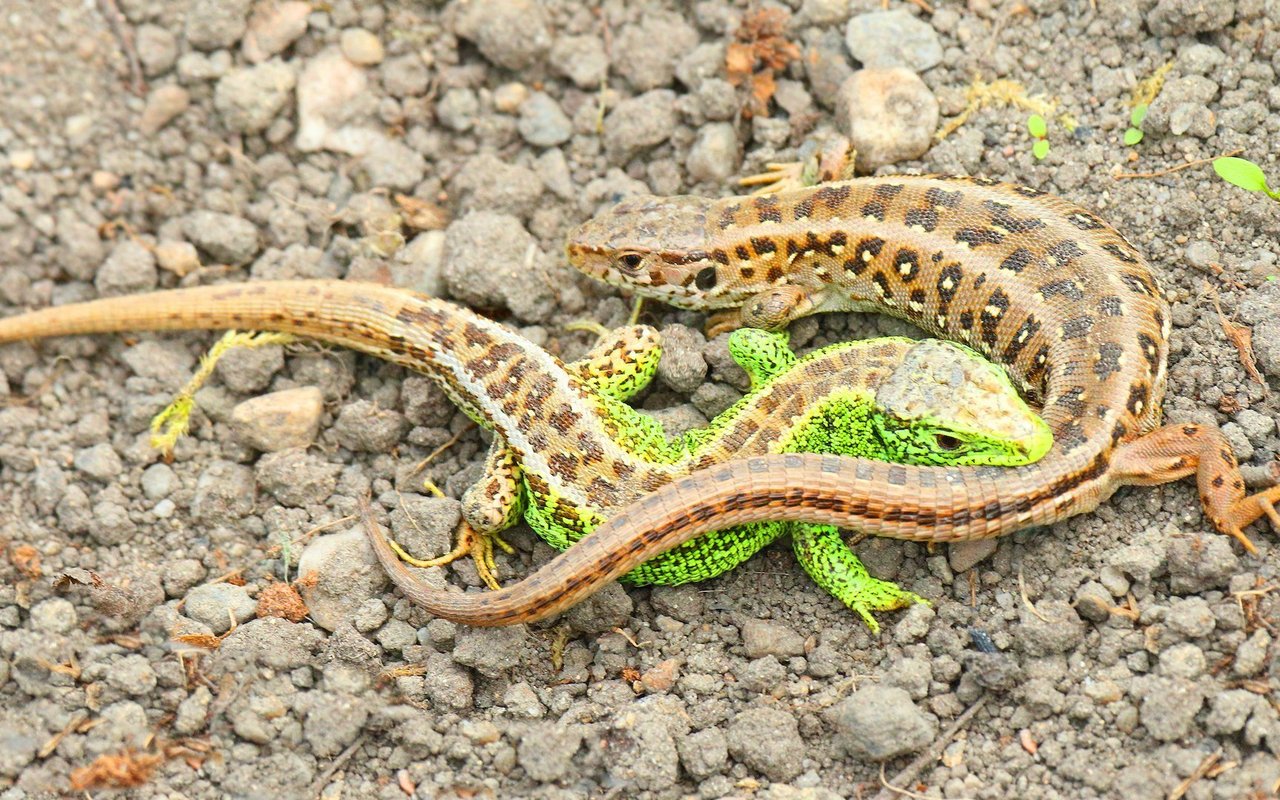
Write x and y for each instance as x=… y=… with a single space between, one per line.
x=1245 y=174
x=1134 y=134
x=1037 y=127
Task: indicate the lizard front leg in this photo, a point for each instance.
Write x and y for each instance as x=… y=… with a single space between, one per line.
x=1176 y=451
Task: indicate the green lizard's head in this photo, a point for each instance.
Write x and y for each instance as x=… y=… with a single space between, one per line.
x=947 y=405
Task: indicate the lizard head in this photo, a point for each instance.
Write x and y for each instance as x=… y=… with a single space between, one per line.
x=945 y=404
x=656 y=247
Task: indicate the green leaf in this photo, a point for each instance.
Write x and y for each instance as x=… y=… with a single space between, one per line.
x=1132 y=136
x=1037 y=126
x=1242 y=173
x=1138 y=114
x=1040 y=149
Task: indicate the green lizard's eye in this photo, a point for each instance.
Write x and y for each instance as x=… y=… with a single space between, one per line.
x=631 y=261
x=706 y=278
x=946 y=442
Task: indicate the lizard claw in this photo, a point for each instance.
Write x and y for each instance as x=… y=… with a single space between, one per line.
x=1247 y=510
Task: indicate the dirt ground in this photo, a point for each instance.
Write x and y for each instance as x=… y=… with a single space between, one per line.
x=1127 y=653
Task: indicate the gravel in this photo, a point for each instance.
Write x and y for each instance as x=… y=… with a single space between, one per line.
x=293 y=139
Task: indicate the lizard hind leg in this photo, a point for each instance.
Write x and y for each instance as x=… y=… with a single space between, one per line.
x=1178 y=450
x=834 y=567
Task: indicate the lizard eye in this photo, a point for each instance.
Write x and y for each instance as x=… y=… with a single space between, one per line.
x=946 y=442
x=631 y=262
x=706 y=278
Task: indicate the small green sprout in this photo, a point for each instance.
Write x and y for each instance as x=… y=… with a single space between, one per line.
x=1037 y=127
x=1245 y=174
x=1134 y=134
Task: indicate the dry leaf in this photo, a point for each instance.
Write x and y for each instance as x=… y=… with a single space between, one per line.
x=27 y=560
x=201 y=640
x=759 y=52
x=421 y=215
x=122 y=770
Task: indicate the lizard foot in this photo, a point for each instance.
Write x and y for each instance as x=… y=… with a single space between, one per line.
x=1240 y=514
x=830 y=160
x=878 y=595
x=470 y=543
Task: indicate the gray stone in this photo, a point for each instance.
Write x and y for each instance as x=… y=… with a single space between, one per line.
x=1251 y=655
x=490 y=651
x=546 y=750
x=653 y=46
x=249 y=99
x=406 y=76
x=457 y=109
x=1180 y=17
x=132 y=675
x=963 y=556
x=603 y=611
x=280 y=420
x=158 y=481
x=215 y=24
x=392 y=164
x=487 y=259
x=763 y=675
x=495 y=186
x=703 y=753
x=514 y=34
x=193 y=712
x=297 y=478
x=1228 y=711
x=157 y=49
x=762 y=637
x=227 y=239
x=448 y=685
x=224 y=493
x=888 y=114
x=893 y=39
x=129 y=269
x=1170 y=707
x=364 y=427
x=338 y=572
x=767 y=740
x=100 y=462
x=879 y=723
x=218 y=605
x=581 y=59
x=542 y=122
x=1056 y=629
x=1198 y=563
x=1191 y=618
x=638 y=124
x=1182 y=661
x=334 y=721
x=716 y=154
x=55 y=615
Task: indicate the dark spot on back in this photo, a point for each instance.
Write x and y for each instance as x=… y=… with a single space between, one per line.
x=804 y=208
x=949 y=282
x=1077 y=327
x=1067 y=289
x=1110 y=306
x=1138 y=284
x=1085 y=221
x=1018 y=260
x=866 y=250
x=1137 y=397
x=1120 y=253
x=874 y=209
x=941 y=197
x=888 y=191
x=1002 y=217
x=907 y=264
x=1063 y=253
x=926 y=218
x=1108 y=362
x=976 y=237
x=1025 y=333
x=763 y=245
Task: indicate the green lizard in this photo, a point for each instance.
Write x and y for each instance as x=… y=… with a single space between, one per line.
x=568 y=449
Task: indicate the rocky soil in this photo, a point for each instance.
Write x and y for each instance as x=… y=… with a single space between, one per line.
x=148 y=635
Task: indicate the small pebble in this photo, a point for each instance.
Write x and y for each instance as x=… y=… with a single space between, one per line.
x=280 y=420
x=362 y=47
x=888 y=114
x=218 y=604
x=164 y=104
x=893 y=38
x=273 y=27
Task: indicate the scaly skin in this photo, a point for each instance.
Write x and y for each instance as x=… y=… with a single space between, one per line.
x=574 y=451
x=1038 y=284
